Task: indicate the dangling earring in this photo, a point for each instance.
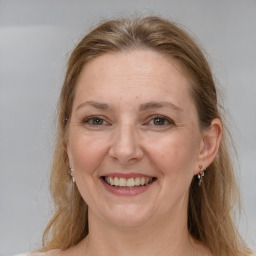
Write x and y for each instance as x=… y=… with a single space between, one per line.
x=70 y=171
x=201 y=175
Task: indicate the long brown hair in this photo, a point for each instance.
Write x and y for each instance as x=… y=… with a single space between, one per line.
x=211 y=205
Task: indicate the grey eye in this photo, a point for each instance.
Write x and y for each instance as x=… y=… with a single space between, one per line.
x=160 y=121
x=95 y=121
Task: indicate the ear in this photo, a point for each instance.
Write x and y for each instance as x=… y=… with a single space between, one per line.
x=68 y=152
x=209 y=145
x=70 y=160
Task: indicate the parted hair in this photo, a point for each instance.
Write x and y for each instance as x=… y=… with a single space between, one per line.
x=211 y=206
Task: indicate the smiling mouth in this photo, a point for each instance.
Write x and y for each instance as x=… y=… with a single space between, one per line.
x=128 y=183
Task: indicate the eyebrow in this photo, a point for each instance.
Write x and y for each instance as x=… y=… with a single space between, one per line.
x=143 y=107
x=95 y=104
x=155 y=105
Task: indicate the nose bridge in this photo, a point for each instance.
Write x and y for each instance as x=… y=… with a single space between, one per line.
x=126 y=146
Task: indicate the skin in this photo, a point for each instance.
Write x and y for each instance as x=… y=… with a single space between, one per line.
x=123 y=137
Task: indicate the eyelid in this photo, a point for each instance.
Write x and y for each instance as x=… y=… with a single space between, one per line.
x=89 y=118
x=107 y=123
x=169 y=120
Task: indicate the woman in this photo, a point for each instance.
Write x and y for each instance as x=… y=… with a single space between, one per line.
x=142 y=164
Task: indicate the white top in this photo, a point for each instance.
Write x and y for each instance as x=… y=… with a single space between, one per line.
x=41 y=254
x=30 y=254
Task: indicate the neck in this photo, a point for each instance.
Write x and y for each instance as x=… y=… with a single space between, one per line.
x=169 y=236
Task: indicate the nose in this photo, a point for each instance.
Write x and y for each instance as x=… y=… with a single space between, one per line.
x=125 y=146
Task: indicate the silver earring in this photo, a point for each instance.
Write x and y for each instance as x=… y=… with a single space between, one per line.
x=201 y=175
x=70 y=171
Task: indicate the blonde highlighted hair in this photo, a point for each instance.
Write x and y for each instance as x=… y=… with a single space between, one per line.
x=211 y=205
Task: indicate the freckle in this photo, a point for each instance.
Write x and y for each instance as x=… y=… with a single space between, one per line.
x=162 y=156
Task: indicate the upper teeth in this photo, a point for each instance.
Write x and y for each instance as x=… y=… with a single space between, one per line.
x=130 y=182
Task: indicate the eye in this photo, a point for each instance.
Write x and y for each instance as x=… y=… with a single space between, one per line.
x=95 y=121
x=160 y=121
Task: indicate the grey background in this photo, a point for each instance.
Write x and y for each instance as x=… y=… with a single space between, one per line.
x=36 y=38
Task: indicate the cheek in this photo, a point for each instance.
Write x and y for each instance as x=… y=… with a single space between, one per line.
x=86 y=152
x=174 y=159
x=174 y=154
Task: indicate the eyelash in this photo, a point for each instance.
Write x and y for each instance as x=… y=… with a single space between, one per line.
x=90 y=119
x=163 y=118
x=93 y=118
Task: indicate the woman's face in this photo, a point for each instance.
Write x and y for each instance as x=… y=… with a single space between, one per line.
x=134 y=138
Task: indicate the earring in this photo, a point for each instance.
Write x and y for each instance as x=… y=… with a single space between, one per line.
x=201 y=175
x=70 y=171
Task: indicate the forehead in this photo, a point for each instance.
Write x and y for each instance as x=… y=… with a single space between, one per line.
x=140 y=74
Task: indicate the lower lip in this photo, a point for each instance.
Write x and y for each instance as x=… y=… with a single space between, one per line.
x=126 y=191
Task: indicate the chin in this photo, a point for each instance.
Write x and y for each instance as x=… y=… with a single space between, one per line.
x=128 y=216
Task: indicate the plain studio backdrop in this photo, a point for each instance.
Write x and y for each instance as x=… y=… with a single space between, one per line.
x=36 y=38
